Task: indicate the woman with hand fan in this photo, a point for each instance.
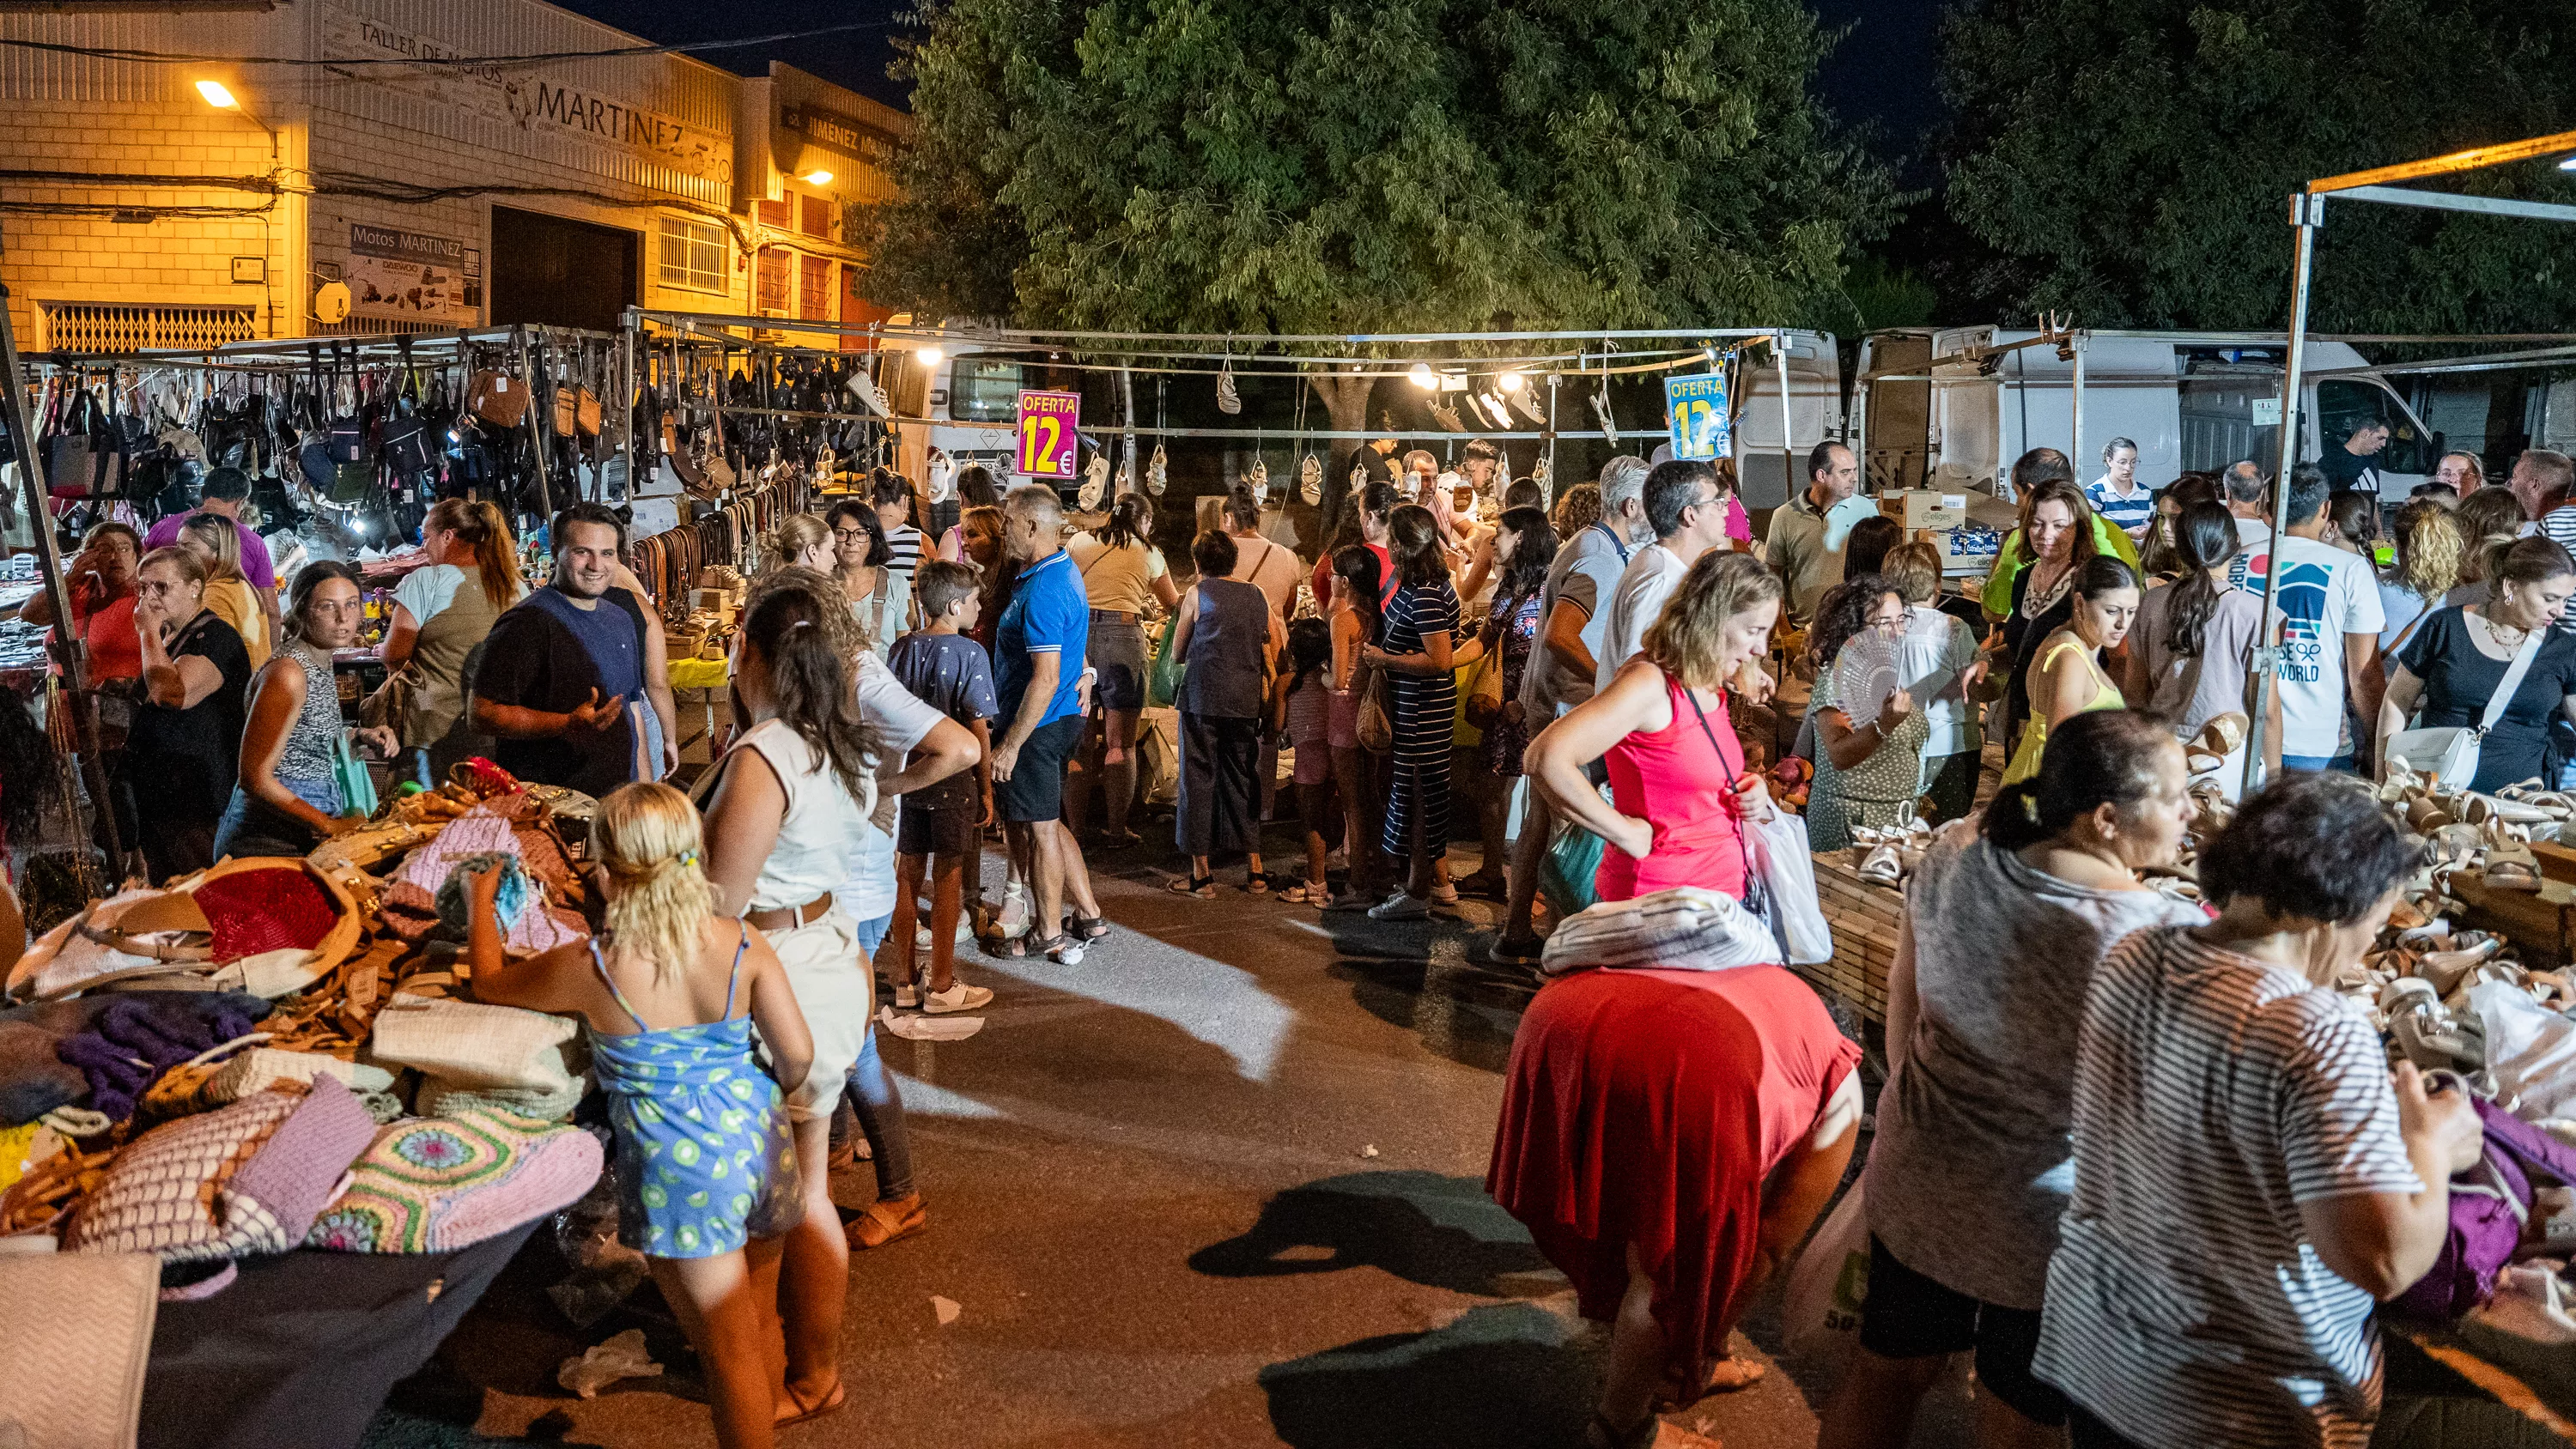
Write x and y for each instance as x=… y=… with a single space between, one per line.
x=1869 y=734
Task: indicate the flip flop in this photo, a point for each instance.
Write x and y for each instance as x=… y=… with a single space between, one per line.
x=833 y=1402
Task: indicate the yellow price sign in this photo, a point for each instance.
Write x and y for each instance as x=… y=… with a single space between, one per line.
x=1050 y=434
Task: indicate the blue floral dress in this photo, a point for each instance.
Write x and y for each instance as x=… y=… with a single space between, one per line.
x=706 y=1159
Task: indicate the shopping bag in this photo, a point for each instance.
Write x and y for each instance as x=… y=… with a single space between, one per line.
x=1484 y=705
x=357 y=787
x=1376 y=728
x=1565 y=875
x=1163 y=676
x=1775 y=844
x=1829 y=1282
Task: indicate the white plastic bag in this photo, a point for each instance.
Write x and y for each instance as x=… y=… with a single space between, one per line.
x=1776 y=843
x=2531 y=1050
x=1829 y=1282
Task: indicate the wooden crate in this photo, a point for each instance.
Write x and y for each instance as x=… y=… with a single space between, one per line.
x=1864 y=919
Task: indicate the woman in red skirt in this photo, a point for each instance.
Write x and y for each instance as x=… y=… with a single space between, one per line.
x=1669 y=1136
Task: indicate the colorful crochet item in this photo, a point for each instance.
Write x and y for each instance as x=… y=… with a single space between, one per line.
x=432 y=1184
x=266 y=910
x=209 y=1187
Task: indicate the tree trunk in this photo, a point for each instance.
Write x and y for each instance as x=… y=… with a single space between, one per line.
x=1346 y=400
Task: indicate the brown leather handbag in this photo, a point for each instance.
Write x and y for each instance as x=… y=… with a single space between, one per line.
x=497 y=398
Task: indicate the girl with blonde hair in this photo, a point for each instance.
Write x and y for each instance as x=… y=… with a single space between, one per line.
x=801 y=541
x=211 y=537
x=707 y=1174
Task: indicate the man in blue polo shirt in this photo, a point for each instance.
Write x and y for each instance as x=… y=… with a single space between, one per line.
x=1038 y=648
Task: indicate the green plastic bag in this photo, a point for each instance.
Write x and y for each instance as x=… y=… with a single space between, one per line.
x=357 y=787
x=1163 y=676
x=1565 y=875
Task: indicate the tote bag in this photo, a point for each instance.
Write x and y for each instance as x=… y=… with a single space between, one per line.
x=2449 y=754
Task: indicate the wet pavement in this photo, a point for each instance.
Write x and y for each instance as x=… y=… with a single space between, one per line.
x=1220 y=1184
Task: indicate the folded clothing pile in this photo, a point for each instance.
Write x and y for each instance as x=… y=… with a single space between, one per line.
x=1686 y=928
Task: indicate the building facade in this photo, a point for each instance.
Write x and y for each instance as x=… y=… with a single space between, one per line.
x=354 y=174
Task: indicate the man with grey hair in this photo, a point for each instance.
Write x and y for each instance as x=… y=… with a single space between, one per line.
x=1804 y=547
x=2244 y=489
x=1574 y=605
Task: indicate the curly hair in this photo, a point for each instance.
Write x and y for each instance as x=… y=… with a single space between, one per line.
x=1844 y=612
x=2431 y=549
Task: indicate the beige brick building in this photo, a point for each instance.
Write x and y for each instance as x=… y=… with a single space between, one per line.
x=135 y=212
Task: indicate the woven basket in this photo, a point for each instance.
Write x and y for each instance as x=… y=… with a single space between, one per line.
x=1865 y=920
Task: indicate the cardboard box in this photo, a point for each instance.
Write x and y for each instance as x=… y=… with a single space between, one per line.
x=1920 y=508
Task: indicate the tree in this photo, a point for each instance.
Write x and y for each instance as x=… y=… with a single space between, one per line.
x=1325 y=166
x=2129 y=161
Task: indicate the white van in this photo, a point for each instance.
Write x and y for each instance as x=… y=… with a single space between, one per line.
x=1764 y=468
x=2191 y=402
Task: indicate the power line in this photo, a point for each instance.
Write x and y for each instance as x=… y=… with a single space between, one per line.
x=166 y=57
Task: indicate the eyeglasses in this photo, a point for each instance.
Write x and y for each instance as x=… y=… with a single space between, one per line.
x=849 y=535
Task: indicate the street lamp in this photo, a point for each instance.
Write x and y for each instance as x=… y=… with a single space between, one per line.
x=817 y=177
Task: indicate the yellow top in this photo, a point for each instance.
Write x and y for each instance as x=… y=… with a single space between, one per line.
x=2034 y=733
x=232 y=602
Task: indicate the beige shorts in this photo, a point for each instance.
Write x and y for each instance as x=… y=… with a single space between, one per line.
x=834 y=988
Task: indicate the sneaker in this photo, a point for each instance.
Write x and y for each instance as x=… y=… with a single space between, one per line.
x=1401 y=907
x=958 y=997
x=921 y=938
x=907 y=996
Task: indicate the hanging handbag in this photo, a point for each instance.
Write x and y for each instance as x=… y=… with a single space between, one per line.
x=357 y=787
x=493 y=397
x=2449 y=754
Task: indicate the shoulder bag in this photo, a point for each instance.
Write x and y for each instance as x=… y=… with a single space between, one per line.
x=2449 y=754
x=1376 y=726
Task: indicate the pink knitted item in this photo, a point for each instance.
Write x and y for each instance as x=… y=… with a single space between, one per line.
x=243 y=1179
x=294 y=1176
x=476 y=831
x=431 y=1184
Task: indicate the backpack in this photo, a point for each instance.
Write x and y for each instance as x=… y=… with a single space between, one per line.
x=2490 y=1204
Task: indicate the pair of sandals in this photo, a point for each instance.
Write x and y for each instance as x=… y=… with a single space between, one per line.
x=1887 y=854
x=1065 y=947
x=1204 y=886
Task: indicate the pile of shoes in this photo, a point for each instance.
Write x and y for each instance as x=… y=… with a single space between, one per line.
x=2486 y=836
x=1886 y=855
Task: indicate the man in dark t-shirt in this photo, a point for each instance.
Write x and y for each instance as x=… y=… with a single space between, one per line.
x=2352 y=465
x=561 y=684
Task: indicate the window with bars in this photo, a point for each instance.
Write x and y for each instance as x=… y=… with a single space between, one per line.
x=814 y=288
x=775 y=213
x=771 y=278
x=692 y=254
x=139 y=326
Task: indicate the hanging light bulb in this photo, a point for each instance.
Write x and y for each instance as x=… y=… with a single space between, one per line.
x=929 y=353
x=1511 y=380
x=1424 y=378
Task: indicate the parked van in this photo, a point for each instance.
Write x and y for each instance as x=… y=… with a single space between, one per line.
x=2191 y=402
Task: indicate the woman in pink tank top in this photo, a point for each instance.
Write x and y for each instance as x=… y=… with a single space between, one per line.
x=1661 y=729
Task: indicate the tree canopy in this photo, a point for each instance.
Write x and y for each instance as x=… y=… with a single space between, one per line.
x=2129 y=162
x=1331 y=166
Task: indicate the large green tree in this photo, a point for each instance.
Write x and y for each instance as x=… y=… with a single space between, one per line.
x=1333 y=166
x=2129 y=161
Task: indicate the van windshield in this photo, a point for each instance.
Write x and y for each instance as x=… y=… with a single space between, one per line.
x=2344 y=404
x=983 y=392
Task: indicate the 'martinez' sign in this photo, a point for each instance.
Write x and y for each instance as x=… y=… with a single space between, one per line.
x=406 y=274
x=530 y=102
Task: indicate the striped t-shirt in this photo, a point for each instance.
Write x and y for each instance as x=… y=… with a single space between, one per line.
x=2131 y=514
x=904 y=546
x=2214 y=1094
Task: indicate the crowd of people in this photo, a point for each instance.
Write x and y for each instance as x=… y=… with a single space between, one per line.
x=1668 y=1136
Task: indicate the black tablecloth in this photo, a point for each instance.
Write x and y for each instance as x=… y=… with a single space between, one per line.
x=301 y=1350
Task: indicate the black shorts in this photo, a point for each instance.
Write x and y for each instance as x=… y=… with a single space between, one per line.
x=1035 y=790
x=935 y=830
x=1117 y=650
x=1907 y=1315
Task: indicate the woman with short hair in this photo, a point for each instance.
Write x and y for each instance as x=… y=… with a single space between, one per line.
x=2002 y=931
x=1228 y=638
x=2430 y=553
x=1869 y=771
x=879 y=598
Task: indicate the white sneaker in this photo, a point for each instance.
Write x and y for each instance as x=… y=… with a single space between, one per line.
x=958 y=997
x=907 y=996
x=921 y=938
x=1401 y=907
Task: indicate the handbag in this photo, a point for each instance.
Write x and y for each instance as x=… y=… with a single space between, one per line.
x=474 y=1045
x=1779 y=872
x=2449 y=754
x=2491 y=1204
x=389 y=703
x=1163 y=676
x=1565 y=874
x=1484 y=704
x=492 y=397
x=357 y=787
x=1376 y=726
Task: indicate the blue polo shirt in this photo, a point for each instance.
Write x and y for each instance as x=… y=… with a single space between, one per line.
x=1049 y=614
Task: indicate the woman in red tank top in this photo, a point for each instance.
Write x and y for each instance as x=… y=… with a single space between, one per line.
x=1661 y=729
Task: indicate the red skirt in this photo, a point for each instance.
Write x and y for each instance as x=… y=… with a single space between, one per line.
x=1646 y=1108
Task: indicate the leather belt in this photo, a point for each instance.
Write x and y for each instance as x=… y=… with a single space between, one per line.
x=788 y=918
x=1113 y=616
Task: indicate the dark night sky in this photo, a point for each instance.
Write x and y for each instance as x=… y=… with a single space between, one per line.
x=1880 y=76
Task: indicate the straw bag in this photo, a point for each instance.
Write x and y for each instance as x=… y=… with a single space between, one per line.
x=1484 y=703
x=1376 y=723
x=76 y=1345
x=469 y=1044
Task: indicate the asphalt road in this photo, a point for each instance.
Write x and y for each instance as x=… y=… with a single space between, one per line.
x=1221 y=1184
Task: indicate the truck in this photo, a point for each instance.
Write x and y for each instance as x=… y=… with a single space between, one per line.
x=1951 y=408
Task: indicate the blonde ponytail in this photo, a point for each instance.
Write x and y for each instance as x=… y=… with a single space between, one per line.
x=647 y=837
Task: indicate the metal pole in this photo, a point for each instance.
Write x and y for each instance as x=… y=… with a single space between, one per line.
x=1550 y=438
x=537 y=409
x=1127 y=414
x=75 y=655
x=2075 y=454
x=2307 y=213
x=626 y=408
x=1788 y=418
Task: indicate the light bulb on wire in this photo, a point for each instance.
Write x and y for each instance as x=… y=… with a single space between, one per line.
x=1511 y=380
x=929 y=354
x=1424 y=378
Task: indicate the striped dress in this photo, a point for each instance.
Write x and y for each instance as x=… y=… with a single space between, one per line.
x=1425 y=718
x=2213 y=1095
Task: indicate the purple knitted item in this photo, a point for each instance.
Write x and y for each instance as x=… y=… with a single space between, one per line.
x=300 y=1166
x=133 y=1042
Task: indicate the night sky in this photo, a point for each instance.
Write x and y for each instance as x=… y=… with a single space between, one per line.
x=1880 y=77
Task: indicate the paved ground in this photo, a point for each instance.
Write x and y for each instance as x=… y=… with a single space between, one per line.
x=1219 y=1185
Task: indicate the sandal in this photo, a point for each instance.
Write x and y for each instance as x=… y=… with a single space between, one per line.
x=1257 y=882
x=1482 y=885
x=1884 y=866
x=1524 y=951
x=883 y=1222
x=1085 y=928
x=837 y=1399
x=1202 y=886
x=1060 y=948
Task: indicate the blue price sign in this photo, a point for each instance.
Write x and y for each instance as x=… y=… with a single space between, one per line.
x=1696 y=409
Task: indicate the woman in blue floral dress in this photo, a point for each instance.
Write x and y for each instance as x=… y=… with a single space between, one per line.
x=706 y=1163
x=1524 y=547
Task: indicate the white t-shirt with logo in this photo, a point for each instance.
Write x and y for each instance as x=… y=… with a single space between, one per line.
x=2324 y=594
x=902 y=722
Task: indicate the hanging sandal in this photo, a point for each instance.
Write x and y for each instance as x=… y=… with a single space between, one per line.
x=1202 y=886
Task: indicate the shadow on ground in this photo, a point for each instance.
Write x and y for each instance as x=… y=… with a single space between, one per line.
x=1442 y=1232
x=1503 y=1376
